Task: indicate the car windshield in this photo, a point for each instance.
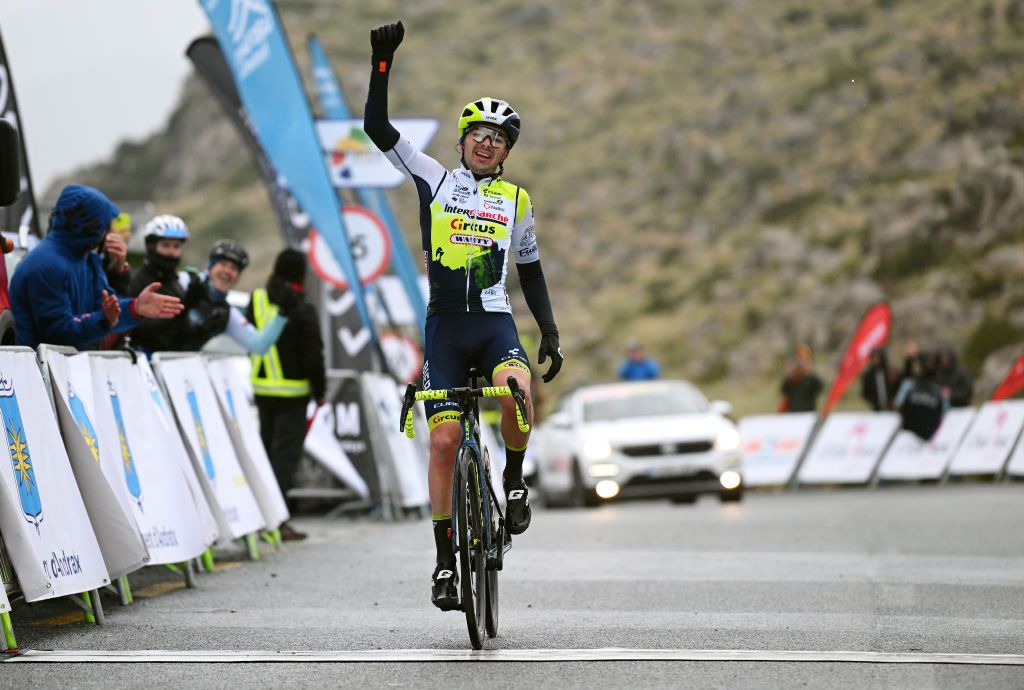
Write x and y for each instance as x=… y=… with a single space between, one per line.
x=641 y=400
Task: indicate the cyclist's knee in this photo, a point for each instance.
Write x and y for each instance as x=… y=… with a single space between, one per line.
x=444 y=440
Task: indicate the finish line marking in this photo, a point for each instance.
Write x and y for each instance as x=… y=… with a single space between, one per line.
x=517 y=655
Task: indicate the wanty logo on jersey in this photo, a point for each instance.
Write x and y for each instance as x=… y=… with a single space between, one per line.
x=472 y=239
x=18 y=452
x=250 y=25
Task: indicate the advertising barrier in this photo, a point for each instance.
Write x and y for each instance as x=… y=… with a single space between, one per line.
x=323 y=446
x=99 y=472
x=1015 y=467
x=990 y=439
x=213 y=455
x=46 y=528
x=910 y=457
x=157 y=488
x=404 y=456
x=165 y=437
x=772 y=446
x=847 y=448
x=234 y=394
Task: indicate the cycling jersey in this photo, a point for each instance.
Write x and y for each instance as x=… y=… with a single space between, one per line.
x=469 y=228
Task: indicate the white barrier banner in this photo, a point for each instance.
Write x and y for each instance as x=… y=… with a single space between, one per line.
x=195 y=405
x=98 y=471
x=911 y=457
x=234 y=394
x=165 y=436
x=408 y=460
x=990 y=439
x=1015 y=467
x=323 y=446
x=848 y=447
x=45 y=525
x=157 y=487
x=5 y=603
x=772 y=445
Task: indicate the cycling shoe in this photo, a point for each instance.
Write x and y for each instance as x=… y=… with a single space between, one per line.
x=517 y=511
x=444 y=588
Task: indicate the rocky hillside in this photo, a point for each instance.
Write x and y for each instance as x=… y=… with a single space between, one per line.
x=719 y=178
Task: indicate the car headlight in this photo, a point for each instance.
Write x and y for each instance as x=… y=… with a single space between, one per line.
x=595 y=448
x=728 y=439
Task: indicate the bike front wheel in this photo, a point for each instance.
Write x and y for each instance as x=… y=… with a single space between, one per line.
x=472 y=553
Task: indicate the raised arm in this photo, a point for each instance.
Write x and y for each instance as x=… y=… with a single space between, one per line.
x=384 y=41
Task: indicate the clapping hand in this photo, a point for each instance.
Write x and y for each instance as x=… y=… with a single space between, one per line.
x=154 y=305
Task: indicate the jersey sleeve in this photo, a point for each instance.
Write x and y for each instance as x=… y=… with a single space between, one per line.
x=423 y=170
x=524 y=236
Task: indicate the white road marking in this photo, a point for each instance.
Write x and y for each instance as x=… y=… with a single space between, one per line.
x=528 y=655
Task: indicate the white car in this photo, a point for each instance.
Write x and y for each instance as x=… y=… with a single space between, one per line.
x=638 y=440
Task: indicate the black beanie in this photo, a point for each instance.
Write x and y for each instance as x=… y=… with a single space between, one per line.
x=290 y=266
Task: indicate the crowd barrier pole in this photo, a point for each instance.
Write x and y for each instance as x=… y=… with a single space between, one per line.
x=794 y=479
x=9 y=641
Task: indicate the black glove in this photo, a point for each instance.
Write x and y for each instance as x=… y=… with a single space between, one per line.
x=283 y=296
x=549 y=348
x=195 y=292
x=384 y=40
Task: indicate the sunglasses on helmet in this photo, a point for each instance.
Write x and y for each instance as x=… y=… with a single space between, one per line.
x=480 y=132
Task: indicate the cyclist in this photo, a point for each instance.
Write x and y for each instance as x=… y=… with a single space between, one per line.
x=471 y=220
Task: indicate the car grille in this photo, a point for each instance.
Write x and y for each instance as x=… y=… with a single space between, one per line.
x=669 y=448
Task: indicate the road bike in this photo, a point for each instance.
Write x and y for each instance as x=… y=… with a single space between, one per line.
x=479 y=540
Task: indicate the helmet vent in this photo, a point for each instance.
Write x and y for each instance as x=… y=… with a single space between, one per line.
x=494 y=106
x=467 y=112
x=508 y=111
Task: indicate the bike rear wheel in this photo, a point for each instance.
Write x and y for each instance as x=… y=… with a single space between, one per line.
x=472 y=555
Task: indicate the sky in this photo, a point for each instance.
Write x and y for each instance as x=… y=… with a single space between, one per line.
x=91 y=73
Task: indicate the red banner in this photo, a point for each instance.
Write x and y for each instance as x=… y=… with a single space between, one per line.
x=873 y=332
x=1013 y=382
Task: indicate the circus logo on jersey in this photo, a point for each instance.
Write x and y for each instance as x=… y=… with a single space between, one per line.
x=19 y=453
x=83 y=423
x=197 y=419
x=131 y=475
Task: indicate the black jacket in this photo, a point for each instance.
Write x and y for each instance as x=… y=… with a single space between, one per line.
x=301 y=348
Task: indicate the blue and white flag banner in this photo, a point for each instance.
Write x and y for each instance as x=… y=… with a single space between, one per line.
x=234 y=394
x=164 y=435
x=101 y=475
x=199 y=417
x=268 y=82
x=43 y=519
x=156 y=488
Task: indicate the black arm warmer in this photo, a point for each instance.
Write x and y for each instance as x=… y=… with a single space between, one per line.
x=535 y=290
x=375 y=116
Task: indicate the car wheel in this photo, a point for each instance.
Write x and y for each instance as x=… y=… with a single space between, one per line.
x=731 y=496
x=582 y=497
x=685 y=499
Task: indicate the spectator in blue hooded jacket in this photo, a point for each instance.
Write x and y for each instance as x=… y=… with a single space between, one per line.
x=59 y=292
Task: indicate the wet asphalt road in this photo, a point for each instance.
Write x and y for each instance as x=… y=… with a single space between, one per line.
x=916 y=569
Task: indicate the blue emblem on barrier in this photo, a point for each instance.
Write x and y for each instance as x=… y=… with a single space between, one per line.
x=16 y=441
x=131 y=475
x=197 y=419
x=84 y=424
x=231 y=403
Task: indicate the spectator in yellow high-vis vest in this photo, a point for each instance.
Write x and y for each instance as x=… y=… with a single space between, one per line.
x=291 y=372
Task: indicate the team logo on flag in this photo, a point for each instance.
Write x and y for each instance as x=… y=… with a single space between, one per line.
x=18 y=451
x=197 y=419
x=131 y=475
x=83 y=422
